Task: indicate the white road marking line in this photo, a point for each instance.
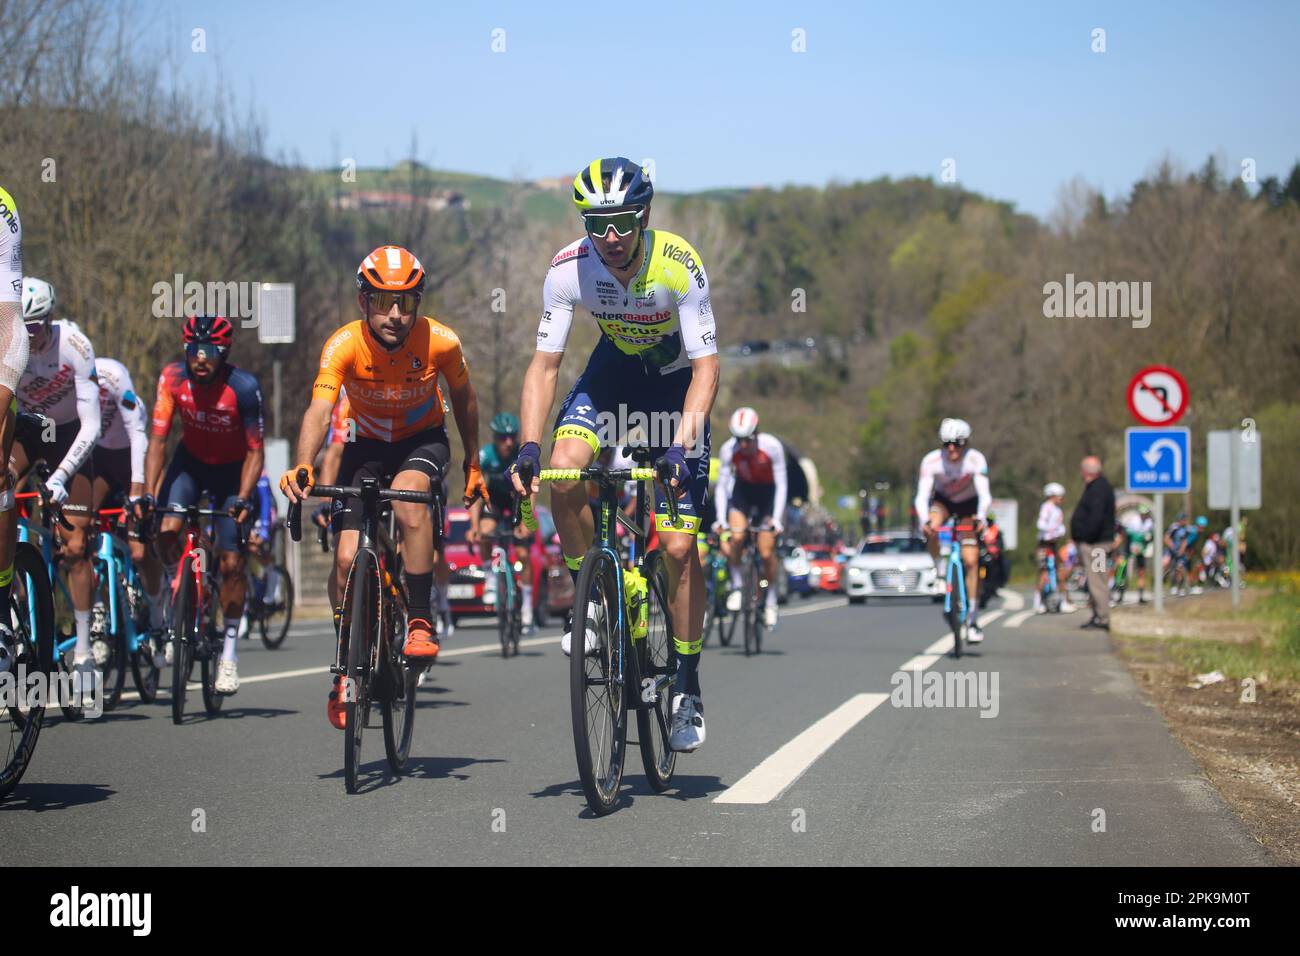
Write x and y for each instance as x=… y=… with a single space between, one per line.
x=921 y=661
x=986 y=619
x=1013 y=600
x=1015 y=620
x=309 y=671
x=773 y=776
x=842 y=602
x=942 y=646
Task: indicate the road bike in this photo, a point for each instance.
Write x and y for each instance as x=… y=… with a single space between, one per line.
x=40 y=534
x=191 y=628
x=120 y=615
x=505 y=576
x=368 y=658
x=717 y=579
x=270 y=597
x=1050 y=593
x=958 y=608
x=753 y=591
x=635 y=660
x=30 y=651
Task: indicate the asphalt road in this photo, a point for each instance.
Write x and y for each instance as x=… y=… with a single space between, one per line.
x=808 y=760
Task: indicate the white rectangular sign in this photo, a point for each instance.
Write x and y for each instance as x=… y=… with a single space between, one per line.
x=1219 y=469
x=1007 y=513
x=275 y=313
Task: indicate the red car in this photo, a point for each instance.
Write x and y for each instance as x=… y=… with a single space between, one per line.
x=823 y=567
x=552 y=584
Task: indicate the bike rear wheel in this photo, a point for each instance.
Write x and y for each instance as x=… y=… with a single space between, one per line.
x=145 y=671
x=277 y=615
x=399 y=722
x=361 y=610
x=597 y=695
x=658 y=662
x=31 y=614
x=505 y=610
x=956 y=607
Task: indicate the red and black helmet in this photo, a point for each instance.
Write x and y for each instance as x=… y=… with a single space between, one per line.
x=209 y=329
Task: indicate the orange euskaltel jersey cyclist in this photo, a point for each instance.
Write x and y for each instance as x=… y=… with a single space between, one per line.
x=392 y=394
x=388 y=362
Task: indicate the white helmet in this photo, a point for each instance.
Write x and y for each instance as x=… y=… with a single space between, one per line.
x=1053 y=490
x=38 y=299
x=953 y=429
x=744 y=422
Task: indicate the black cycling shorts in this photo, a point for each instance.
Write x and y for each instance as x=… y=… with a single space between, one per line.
x=372 y=458
x=754 y=501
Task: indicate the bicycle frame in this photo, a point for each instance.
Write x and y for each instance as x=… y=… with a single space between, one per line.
x=113 y=563
x=956 y=566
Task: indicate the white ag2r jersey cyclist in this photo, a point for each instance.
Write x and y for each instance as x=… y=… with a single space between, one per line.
x=123 y=423
x=962 y=487
x=60 y=383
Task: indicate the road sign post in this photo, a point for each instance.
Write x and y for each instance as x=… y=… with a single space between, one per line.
x=1158 y=461
x=1158 y=555
x=1234 y=480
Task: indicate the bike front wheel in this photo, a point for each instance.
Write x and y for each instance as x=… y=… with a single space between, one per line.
x=598 y=697
x=658 y=660
x=399 y=718
x=277 y=614
x=31 y=613
x=361 y=610
x=183 y=639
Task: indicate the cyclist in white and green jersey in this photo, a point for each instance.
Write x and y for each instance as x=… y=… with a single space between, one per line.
x=657 y=360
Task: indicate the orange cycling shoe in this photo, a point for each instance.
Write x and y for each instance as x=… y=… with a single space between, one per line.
x=337 y=708
x=421 y=644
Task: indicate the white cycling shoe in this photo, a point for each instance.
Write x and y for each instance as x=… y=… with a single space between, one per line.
x=1068 y=608
x=227 y=678
x=592 y=642
x=769 y=618
x=975 y=635
x=733 y=601
x=688 y=723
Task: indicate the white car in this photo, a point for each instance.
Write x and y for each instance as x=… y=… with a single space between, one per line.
x=893 y=564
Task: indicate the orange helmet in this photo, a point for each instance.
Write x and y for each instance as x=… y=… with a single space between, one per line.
x=390 y=269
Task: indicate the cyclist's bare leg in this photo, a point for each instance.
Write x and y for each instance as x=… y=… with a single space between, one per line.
x=233 y=584
x=734 y=547
x=767 y=551
x=487 y=527
x=573 y=518
x=686 y=602
x=970 y=556
x=938 y=517
x=345 y=550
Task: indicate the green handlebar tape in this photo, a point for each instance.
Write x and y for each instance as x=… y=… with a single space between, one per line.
x=526 y=512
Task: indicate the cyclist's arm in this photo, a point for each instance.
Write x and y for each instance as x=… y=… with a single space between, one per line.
x=780 y=475
x=131 y=408
x=88 y=413
x=703 y=389
x=248 y=400
x=723 y=487
x=330 y=462
x=538 y=394
x=315 y=425
x=164 y=407
x=924 y=489
x=982 y=490
x=464 y=403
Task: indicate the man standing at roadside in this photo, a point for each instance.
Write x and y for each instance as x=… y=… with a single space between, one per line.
x=1092 y=527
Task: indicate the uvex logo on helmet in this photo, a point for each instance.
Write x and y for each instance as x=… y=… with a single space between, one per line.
x=390 y=269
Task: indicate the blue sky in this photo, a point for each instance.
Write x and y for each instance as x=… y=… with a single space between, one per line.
x=714 y=94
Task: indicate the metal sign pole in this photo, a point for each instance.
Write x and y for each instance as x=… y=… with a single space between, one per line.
x=1234 y=456
x=1158 y=554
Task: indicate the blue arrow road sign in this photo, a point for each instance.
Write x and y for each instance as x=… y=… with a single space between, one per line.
x=1158 y=459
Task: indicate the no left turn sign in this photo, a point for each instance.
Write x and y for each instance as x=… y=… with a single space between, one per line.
x=1157 y=395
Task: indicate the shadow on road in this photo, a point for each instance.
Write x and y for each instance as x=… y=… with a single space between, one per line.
x=55 y=796
x=684 y=787
x=377 y=774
